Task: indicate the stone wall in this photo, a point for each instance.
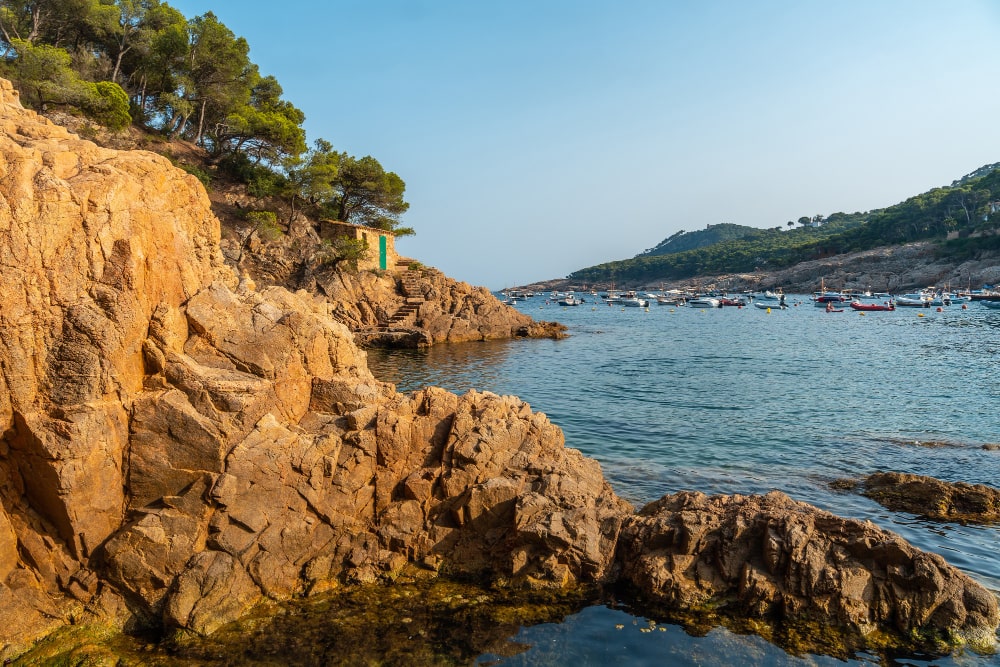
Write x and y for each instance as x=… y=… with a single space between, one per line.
x=331 y=229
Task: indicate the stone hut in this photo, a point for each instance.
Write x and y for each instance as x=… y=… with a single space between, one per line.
x=381 y=244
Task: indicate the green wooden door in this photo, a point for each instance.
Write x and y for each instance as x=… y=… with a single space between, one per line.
x=381 y=253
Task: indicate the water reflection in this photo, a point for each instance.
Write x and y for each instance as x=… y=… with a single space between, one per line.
x=438 y=622
x=456 y=367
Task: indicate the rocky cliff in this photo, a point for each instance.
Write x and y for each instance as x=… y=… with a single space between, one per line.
x=178 y=446
x=424 y=300
x=407 y=305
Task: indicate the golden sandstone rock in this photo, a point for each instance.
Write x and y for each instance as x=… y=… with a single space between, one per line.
x=177 y=447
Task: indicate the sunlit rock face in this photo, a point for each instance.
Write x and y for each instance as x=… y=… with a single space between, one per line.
x=442 y=309
x=177 y=447
x=187 y=446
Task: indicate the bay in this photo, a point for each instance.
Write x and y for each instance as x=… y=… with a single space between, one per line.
x=741 y=400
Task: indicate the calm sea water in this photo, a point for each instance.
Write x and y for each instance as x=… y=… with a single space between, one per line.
x=745 y=401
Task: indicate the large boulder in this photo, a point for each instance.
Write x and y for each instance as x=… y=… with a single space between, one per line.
x=770 y=557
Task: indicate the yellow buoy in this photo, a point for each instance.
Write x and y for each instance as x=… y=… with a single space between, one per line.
x=920 y=314
x=769 y=310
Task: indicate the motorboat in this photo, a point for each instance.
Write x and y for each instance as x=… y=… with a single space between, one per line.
x=824 y=296
x=871 y=307
x=704 y=302
x=922 y=300
x=570 y=300
x=634 y=302
x=770 y=300
x=820 y=299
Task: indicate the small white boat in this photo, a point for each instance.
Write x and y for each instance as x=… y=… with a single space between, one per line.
x=704 y=302
x=922 y=300
x=913 y=300
x=570 y=300
x=770 y=300
x=635 y=302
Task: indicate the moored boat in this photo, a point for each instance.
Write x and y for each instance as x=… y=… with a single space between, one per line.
x=820 y=299
x=704 y=302
x=570 y=300
x=993 y=304
x=914 y=300
x=770 y=300
x=872 y=307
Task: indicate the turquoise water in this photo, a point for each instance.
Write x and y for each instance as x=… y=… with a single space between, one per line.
x=745 y=401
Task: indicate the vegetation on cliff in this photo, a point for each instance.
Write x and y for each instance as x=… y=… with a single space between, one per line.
x=967 y=208
x=142 y=63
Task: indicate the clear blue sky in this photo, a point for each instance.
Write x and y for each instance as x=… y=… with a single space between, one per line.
x=537 y=137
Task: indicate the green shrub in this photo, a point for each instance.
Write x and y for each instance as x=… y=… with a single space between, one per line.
x=266 y=224
x=107 y=104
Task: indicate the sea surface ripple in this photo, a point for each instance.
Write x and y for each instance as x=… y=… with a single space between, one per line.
x=740 y=400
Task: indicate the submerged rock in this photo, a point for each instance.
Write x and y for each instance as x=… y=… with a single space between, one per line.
x=177 y=447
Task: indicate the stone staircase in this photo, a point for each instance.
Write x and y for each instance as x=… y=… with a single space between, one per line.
x=410 y=286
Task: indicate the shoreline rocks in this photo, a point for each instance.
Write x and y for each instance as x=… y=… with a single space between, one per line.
x=895 y=269
x=772 y=558
x=177 y=448
x=430 y=307
x=929 y=497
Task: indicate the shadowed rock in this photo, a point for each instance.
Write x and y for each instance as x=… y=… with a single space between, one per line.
x=934 y=499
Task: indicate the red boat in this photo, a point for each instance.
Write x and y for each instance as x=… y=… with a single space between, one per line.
x=857 y=305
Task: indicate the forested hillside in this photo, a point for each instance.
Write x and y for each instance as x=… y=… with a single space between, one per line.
x=968 y=209
x=140 y=65
x=702 y=238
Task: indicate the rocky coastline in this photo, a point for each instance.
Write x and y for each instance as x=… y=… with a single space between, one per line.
x=179 y=448
x=893 y=269
x=929 y=497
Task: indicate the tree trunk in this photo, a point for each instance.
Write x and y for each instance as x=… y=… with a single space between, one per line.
x=118 y=63
x=177 y=124
x=201 y=123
